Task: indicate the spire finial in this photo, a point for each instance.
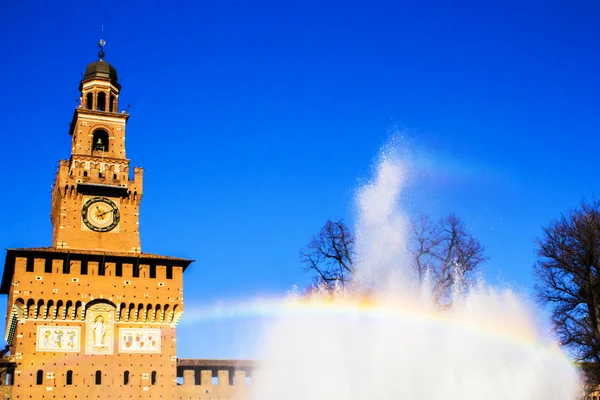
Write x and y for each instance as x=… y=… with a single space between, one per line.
x=101 y=44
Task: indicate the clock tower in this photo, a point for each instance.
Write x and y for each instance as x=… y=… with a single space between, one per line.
x=92 y=316
x=94 y=203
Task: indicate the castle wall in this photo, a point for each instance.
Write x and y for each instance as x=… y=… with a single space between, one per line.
x=214 y=379
x=77 y=334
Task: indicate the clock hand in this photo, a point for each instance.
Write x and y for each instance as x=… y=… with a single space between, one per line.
x=106 y=212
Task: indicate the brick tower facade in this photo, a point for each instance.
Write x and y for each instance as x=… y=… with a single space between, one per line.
x=93 y=317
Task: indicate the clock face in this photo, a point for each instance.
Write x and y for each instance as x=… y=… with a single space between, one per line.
x=100 y=214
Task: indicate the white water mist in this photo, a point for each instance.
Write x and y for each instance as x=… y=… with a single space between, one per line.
x=400 y=345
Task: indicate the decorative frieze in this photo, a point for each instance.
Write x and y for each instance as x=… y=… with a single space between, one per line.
x=58 y=338
x=139 y=340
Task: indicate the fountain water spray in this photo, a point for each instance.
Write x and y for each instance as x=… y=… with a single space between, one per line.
x=397 y=344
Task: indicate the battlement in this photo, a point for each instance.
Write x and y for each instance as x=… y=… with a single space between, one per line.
x=218 y=379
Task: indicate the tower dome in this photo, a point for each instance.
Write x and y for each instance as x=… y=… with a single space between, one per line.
x=101 y=70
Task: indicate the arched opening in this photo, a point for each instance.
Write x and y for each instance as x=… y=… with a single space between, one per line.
x=111 y=104
x=165 y=312
x=122 y=311
x=131 y=313
x=157 y=313
x=101 y=103
x=172 y=314
x=40 y=309
x=149 y=314
x=69 y=377
x=84 y=173
x=98 y=377
x=126 y=378
x=39 y=377
x=77 y=310
x=140 y=312
x=100 y=140
x=68 y=309
x=59 y=310
x=30 y=308
x=88 y=101
x=20 y=307
x=50 y=309
x=153 y=378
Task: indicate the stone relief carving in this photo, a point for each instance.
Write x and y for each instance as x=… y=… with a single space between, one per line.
x=100 y=326
x=58 y=338
x=139 y=340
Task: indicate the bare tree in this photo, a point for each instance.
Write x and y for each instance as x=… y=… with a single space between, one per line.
x=568 y=279
x=443 y=251
x=330 y=254
x=445 y=254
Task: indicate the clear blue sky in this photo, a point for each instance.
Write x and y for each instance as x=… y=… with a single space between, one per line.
x=256 y=121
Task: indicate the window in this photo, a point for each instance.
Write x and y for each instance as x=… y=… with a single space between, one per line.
x=69 y=377
x=126 y=378
x=84 y=173
x=101 y=268
x=101 y=106
x=100 y=140
x=39 y=378
x=98 y=377
x=119 y=269
x=169 y=272
x=153 y=378
x=88 y=101
x=152 y=270
x=111 y=104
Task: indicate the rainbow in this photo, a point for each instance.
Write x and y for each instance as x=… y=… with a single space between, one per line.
x=522 y=332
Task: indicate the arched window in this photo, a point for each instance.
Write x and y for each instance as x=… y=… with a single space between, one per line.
x=126 y=378
x=39 y=378
x=98 y=377
x=69 y=377
x=111 y=104
x=101 y=104
x=153 y=378
x=88 y=101
x=100 y=140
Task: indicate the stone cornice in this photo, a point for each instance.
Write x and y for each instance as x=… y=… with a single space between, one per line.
x=105 y=160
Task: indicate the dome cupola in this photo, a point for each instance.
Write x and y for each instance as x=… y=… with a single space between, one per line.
x=100 y=85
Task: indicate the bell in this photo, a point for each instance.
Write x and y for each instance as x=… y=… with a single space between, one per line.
x=99 y=145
